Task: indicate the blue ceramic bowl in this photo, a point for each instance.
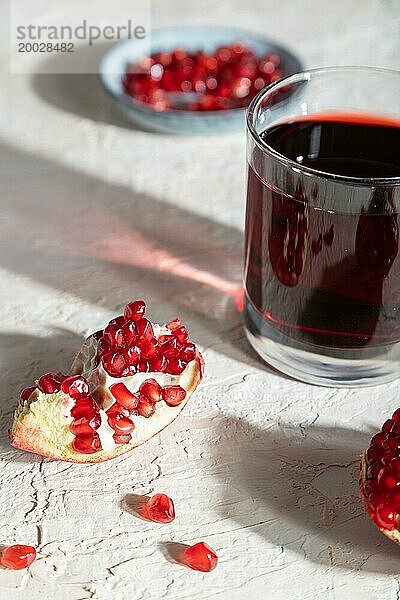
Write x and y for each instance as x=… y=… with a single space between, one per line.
x=113 y=66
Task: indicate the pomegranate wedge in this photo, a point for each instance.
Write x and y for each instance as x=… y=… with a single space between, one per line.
x=124 y=387
x=380 y=478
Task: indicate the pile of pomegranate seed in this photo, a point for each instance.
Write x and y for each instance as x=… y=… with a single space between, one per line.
x=381 y=486
x=128 y=345
x=228 y=78
x=160 y=509
x=17 y=557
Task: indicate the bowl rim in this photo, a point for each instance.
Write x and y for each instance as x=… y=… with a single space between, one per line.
x=131 y=103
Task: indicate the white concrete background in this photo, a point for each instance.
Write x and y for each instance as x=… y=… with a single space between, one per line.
x=264 y=469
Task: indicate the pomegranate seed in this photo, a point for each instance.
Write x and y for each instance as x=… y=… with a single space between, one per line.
x=114 y=336
x=146 y=408
x=84 y=407
x=171 y=347
x=159 y=363
x=130 y=333
x=86 y=444
x=386 y=479
x=151 y=390
x=394 y=498
x=117 y=409
x=26 y=393
x=188 y=352
x=76 y=387
x=201 y=557
x=373 y=453
x=385 y=516
x=124 y=397
x=103 y=347
x=17 y=557
x=395 y=417
x=84 y=425
x=48 y=383
x=160 y=509
x=122 y=439
x=134 y=311
x=395 y=465
x=181 y=333
x=176 y=366
x=386 y=427
x=122 y=425
x=150 y=349
x=144 y=366
x=174 y=324
x=115 y=364
x=145 y=330
x=133 y=355
x=173 y=395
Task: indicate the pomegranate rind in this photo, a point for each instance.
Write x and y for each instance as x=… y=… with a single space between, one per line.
x=42 y=427
x=393 y=534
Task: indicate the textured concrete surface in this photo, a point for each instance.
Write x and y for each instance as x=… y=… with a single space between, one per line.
x=263 y=468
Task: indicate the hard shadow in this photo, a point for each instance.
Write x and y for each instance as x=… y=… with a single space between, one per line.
x=107 y=244
x=173 y=552
x=297 y=488
x=135 y=504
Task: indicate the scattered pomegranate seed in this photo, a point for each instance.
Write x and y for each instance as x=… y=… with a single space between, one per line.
x=124 y=397
x=146 y=408
x=26 y=393
x=160 y=508
x=49 y=383
x=17 y=557
x=201 y=557
x=86 y=444
x=173 y=395
x=76 y=387
x=151 y=390
x=134 y=311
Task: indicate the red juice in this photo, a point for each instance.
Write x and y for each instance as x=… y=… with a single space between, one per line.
x=322 y=267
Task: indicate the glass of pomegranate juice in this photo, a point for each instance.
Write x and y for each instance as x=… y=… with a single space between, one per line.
x=322 y=264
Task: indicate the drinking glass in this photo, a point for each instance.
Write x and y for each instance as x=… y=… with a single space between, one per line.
x=322 y=261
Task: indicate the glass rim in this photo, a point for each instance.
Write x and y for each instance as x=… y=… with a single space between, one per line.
x=304 y=76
